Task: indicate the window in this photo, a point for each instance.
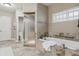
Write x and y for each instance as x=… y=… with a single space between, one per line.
x=64 y=15
x=76 y=13
x=60 y=16
x=70 y=14
x=57 y=17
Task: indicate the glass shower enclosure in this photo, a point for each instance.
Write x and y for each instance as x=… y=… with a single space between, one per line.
x=29 y=30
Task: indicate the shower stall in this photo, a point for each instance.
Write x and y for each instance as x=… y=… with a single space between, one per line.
x=27 y=30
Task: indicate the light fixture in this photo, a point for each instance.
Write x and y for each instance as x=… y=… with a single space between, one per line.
x=6 y=4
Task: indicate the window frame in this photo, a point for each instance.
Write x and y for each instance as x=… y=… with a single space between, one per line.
x=62 y=18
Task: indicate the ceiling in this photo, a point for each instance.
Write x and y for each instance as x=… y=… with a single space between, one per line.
x=6 y=8
x=20 y=6
x=12 y=8
x=57 y=4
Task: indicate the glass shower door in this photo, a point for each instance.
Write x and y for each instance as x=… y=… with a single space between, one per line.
x=29 y=30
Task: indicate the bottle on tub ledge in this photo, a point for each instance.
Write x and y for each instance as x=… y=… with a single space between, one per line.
x=44 y=36
x=41 y=36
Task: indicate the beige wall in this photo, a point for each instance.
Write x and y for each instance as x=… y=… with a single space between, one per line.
x=65 y=27
x=10 y=14
x=14 y=26
x=29 y=7
x=42 y=19
x=4 y=13
x=26 y=7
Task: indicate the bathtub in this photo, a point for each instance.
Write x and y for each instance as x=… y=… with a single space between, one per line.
x=52 y=41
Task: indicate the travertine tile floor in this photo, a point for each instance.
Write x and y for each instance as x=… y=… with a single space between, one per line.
x=19 y=50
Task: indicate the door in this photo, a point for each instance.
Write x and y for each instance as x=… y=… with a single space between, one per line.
x=29 y=26
x=5 y=28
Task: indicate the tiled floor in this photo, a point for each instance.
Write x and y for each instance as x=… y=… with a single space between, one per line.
x=19 y=50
